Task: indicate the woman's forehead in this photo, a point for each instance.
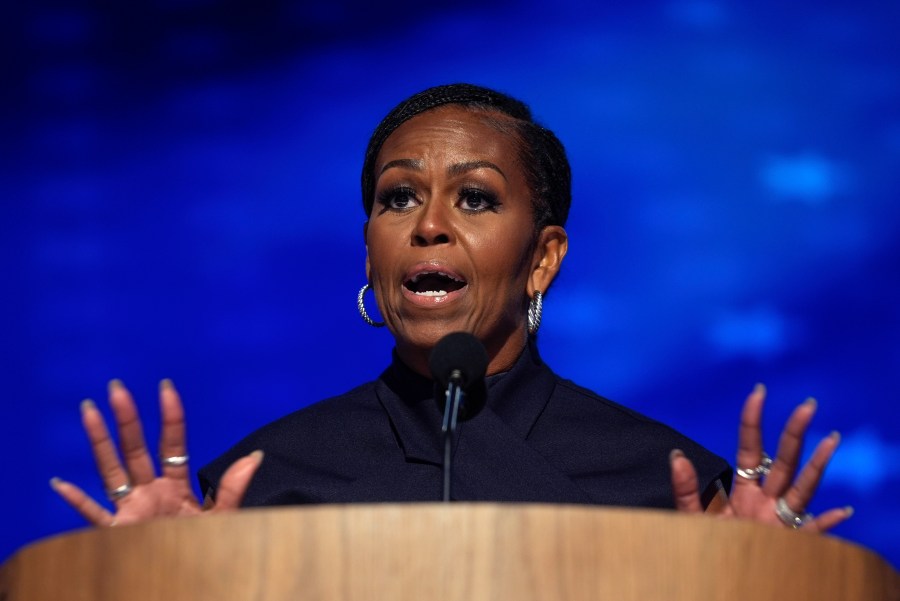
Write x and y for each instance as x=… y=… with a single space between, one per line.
x=452 y=130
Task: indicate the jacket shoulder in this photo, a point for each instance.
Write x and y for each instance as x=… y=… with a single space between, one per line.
x=313 y=433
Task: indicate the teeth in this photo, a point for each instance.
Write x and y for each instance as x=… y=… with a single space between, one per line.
x=432 y=293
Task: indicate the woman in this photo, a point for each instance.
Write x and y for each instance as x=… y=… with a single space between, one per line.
x=466 y=199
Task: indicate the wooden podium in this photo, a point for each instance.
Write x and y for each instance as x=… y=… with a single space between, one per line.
x=456 y=551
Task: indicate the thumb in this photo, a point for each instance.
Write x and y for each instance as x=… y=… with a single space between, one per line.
x=685 y=488
x=235 y=481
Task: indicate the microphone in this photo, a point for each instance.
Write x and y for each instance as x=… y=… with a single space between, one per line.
x=461 y=357
x=458 y=364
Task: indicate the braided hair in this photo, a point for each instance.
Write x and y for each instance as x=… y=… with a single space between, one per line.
x=542 y=155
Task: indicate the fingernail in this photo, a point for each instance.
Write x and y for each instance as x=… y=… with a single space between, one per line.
x=760 y=388
x=165 y=383
x=114 y=384
x=849 y=510
x=87 y=404
x=836 y=436
x=257 y=455
x=675 y=454
x=812 y=402
x=55 y=482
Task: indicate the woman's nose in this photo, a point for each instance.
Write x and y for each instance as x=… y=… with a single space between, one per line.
x=433 y=225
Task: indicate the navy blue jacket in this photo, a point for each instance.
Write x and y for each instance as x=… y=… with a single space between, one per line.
x=539 y=438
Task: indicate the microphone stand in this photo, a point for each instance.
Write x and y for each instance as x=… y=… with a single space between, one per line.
x=453 y=399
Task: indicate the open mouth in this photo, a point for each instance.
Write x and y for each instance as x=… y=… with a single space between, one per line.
x=433 y=283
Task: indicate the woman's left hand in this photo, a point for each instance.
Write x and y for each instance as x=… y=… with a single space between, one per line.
x=779 y=497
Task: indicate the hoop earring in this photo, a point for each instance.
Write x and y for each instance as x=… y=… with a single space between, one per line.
x=362 y=308
x=535 y=310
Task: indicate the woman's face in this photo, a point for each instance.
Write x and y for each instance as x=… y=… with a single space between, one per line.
x=450 y=240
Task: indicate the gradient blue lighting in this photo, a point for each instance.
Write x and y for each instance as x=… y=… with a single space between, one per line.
x=179 y=198
x=807 y=178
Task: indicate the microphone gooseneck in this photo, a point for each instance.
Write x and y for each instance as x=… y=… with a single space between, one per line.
x=458 y=364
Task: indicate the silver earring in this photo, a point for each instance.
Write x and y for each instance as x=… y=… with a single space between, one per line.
x=535 y=309
x=362 y=308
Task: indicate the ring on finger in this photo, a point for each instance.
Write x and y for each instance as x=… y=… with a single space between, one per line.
x=789 y=517
x=755 y=473
x=175 y=460
x=119 y=492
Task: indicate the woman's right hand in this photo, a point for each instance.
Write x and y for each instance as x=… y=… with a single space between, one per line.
x=136 y=490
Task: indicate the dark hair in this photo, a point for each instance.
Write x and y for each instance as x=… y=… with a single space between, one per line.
x=542 y=155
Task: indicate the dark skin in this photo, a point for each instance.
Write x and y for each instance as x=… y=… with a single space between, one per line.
x=451 y=199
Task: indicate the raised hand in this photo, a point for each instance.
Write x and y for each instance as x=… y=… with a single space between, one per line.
x=135 y=489
x=766 y=491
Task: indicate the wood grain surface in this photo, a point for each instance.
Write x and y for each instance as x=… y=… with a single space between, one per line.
x=456 y=551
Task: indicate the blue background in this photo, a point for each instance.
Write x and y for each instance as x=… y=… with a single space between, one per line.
x=180 y=199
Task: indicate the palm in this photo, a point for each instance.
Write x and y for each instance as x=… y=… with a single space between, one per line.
x=149 y=495
x=161 y=497
x=755 y=497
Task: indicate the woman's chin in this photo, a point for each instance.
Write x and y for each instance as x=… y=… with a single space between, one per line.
x=424 y=337
x=420 y=336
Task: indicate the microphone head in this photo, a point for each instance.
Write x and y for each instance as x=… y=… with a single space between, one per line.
x=462 y=352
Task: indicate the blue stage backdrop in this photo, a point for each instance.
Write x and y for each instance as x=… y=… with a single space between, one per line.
x=180 y=198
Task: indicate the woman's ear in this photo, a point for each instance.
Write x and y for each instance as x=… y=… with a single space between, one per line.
x=549 y=252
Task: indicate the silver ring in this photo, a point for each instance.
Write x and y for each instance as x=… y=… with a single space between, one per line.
x=119 y=492
x=788 y=516
x=755 y=473
x=175 y=460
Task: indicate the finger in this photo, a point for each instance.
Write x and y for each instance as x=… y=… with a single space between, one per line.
x=172 y=439
x=102 y=446
x=82 y=503
x=829 y=519
x=789 y=447
x=750 y=447
x=801 y=492
x=131 y=434
x=235 y=481
x=685 y=486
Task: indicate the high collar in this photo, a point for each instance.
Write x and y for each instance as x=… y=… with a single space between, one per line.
x=493 y=459
x=516 y=397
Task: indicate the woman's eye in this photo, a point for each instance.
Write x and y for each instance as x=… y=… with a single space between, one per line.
x=478 y=200
x=397 y=199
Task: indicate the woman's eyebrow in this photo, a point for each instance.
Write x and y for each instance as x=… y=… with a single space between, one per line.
x=452 y=171
x=413 y=164
x=460 y=168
